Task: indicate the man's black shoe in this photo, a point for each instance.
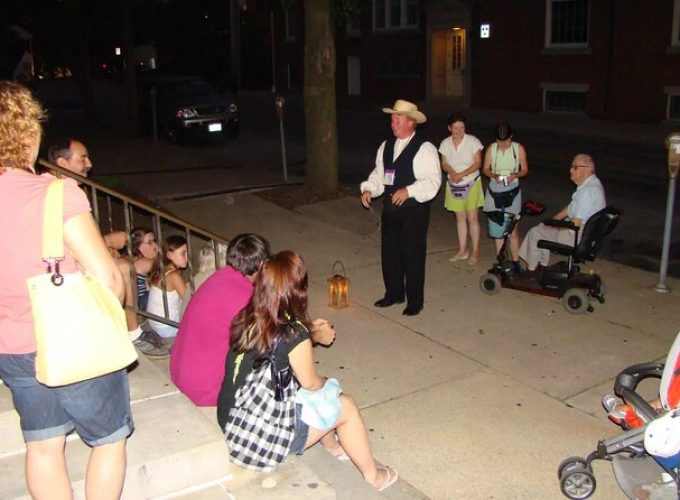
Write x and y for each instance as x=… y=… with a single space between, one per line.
x=385 y=302
x=517 y=267
x=409 y=311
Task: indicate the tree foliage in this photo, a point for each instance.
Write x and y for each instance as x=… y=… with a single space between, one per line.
x=68 y=33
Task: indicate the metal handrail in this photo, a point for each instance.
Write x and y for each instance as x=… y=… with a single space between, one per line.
x=129 y=199
x=129 y=204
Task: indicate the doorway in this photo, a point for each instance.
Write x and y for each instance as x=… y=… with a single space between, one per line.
x=449 y=57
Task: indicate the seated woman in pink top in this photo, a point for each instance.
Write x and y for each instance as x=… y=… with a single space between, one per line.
x=198 y=356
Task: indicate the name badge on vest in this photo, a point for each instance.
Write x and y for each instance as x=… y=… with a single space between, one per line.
x=388 y=180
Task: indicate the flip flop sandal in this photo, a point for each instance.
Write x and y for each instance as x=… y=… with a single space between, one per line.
x=391 y=479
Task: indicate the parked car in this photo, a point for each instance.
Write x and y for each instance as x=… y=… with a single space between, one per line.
x=187 y=107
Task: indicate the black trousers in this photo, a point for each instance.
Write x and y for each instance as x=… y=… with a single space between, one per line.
x=403 y=249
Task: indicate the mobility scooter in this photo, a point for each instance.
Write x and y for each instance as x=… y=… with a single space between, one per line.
x=563 y=279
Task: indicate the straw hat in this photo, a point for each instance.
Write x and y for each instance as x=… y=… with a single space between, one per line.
x=407 y=109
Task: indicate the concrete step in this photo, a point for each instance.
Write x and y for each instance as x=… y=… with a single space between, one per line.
x=174 y=447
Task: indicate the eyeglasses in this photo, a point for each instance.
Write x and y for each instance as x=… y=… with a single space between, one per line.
x=579 y=166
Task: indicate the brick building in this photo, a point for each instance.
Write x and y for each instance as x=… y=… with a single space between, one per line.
x=609 y=59
x=605 y=59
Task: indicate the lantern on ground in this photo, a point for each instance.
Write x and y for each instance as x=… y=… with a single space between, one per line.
x=338 y=288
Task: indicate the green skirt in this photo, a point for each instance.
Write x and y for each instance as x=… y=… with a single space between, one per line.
x=474 y=198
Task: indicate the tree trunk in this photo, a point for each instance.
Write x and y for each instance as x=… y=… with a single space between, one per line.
x=321 y=173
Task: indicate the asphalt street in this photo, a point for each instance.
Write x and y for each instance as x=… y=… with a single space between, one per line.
x=630 y=158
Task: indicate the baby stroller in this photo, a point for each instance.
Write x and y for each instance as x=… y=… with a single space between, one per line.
x=563 y=279
x=637 y=472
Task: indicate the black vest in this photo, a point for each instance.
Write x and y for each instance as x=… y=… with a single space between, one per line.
x=403 y=166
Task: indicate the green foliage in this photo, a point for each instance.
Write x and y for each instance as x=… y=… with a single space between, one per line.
x=348 y=9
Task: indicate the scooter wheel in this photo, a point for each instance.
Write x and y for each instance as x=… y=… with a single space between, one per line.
x=575 y=300
x=577 y=482
x=490 y=284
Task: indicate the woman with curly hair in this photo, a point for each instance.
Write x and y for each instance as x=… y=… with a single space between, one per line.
x=97 y=409
x=276 y=321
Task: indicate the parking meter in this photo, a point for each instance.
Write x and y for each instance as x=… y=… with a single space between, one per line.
x=673 y=146
x=279 y=103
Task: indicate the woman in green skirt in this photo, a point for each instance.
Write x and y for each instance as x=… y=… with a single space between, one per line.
x=461 y=159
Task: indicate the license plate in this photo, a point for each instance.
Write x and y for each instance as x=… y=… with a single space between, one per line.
x=214 y=127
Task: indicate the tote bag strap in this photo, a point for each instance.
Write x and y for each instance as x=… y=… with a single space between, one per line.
x=53 y=226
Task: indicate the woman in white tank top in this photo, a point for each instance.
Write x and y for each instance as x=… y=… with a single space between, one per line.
x=175 y=259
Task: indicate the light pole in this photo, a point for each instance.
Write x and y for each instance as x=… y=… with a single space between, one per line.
x=673 y=146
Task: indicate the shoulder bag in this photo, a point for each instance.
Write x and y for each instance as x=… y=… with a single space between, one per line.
x=80 y=326
x=261 y=425
x=504 y=199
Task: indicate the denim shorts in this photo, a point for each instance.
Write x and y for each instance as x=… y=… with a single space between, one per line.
x=301 y=433
x=97 y=409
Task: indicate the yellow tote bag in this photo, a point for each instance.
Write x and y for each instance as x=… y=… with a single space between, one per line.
x=80 y=326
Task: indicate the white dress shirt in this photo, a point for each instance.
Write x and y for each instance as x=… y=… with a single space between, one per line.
x=426 y=170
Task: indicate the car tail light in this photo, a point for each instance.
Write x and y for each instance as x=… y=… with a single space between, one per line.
x=186 y=113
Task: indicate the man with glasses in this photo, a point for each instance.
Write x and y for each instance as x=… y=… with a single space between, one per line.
x=587 y=200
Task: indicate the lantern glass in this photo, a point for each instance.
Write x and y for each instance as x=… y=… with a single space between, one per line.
x=338 y=289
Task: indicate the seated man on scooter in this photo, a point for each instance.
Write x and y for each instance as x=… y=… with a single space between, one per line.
x=587 y=200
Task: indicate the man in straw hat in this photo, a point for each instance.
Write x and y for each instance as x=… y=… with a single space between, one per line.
x=407 y=172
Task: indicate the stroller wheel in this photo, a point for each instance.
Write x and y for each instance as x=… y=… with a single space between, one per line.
x=577 y=482
x=575 y=300
x=490 y=284
x=571 y=461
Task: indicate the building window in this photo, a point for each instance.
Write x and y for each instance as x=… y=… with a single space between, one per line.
x=353 y=25
x=673 y=109
x=398 y=68
x=566 y=23
x=458 y=51
x=395 y=14
x=675 y=32
x=564 y=97
x=558 y=100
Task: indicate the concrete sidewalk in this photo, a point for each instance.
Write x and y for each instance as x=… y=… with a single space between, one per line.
x=478 y=396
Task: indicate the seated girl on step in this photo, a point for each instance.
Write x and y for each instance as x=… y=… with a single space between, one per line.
x=167 y=281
